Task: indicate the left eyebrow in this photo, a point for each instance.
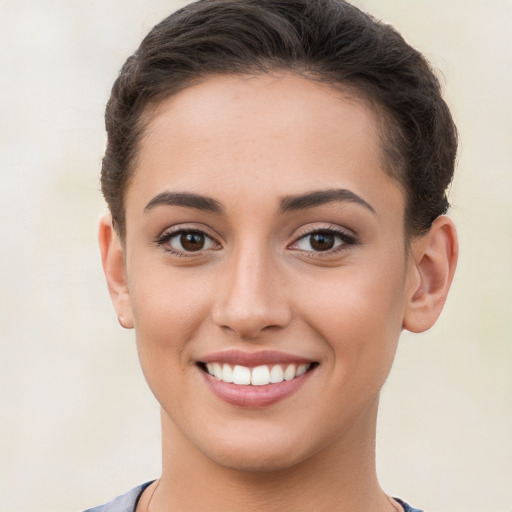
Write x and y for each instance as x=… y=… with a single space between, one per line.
x=186 y=199
x=320 y=197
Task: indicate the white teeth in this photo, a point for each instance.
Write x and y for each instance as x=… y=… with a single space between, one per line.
x=241 y=375
x=217 y=370
x=289 y=373
x=257 y=376
x=227 y=373
x=276 y=374
x=260 y=376
x=301 y=370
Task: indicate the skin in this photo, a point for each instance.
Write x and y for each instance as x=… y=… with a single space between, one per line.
x=259 y=284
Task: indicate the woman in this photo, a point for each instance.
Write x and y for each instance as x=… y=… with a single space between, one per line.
x=276 y=174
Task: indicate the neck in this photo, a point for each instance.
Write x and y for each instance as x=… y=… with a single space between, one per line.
x=342 y=473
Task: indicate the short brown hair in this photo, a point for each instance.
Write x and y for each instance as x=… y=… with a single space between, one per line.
x=327 y=40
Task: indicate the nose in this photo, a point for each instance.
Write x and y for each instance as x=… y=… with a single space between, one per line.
x=251 y=298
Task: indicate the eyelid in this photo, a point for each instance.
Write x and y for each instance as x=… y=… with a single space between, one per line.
x=313 y=228
x=347 y=237
x=170 y=232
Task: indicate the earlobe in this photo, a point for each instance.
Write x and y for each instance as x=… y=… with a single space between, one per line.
x=113 y=261
x=435 y=258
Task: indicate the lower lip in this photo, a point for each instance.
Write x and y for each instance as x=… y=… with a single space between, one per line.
x=254 y=396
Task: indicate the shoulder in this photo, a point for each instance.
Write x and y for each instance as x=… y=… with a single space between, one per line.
x=124 y=503
x=406 y=506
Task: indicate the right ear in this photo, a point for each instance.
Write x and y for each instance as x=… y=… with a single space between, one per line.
x=112 y=258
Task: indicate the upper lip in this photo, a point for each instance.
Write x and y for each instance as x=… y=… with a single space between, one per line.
x=251 y=359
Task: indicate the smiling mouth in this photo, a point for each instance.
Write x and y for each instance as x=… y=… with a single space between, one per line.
x=262 y=375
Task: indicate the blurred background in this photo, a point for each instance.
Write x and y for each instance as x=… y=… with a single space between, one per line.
x=78 y=425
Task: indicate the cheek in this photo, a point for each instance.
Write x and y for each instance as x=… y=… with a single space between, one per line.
x=359 y=313
x=168 y=310
x=166 y=317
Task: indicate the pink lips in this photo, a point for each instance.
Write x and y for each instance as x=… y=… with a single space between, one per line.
x=252 y=359
x=251 y=396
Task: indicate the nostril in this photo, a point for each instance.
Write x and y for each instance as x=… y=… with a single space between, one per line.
x=245 y=330
x=248 y=304
x=228 y=329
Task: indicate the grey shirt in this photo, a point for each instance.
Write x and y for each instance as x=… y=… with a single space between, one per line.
x=128 y=502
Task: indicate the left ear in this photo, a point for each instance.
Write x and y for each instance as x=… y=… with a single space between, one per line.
x=434 y=258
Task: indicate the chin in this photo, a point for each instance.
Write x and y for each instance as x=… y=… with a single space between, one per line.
x=257 y=451
x=255 y=460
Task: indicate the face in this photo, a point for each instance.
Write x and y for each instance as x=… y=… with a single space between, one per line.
x=265 y=246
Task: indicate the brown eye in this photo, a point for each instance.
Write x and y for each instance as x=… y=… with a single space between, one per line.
x=328 y=240
x=187 y=241
x=192 y=241
x=322 y=241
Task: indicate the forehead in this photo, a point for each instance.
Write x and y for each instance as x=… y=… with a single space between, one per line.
x=284 y=133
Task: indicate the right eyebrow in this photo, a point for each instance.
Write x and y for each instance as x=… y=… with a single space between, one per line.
x=186 y=199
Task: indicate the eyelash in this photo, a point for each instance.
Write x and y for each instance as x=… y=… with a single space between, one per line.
x=166 y=237
x=346 y=240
